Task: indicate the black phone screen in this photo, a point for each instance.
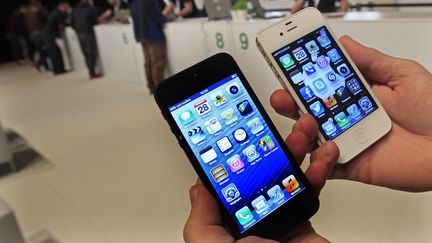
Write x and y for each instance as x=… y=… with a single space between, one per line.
x=237 y=150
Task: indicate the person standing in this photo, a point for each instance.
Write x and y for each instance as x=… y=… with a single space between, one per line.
x=51 y=30
x=34 y=16
x=148 y=24
x=14 y=34
x=84 y=17
x=325 y=6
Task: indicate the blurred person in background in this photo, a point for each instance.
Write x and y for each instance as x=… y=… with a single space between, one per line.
x=34 y=16
x=55 y=23
x=14 y=34
x=167 y=9
x=325 y=6
x=173 y=9
x=187 y=8
x=84 y=17
x=110 y=14
x=148 y=24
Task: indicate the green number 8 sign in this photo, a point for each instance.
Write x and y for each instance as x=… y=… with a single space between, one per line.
x=219 y=40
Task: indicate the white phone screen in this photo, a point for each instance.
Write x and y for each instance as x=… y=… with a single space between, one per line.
x=325 y=82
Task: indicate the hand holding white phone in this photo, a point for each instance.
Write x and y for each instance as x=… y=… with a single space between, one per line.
x=313 y=66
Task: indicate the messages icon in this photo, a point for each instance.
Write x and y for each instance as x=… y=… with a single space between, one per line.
x=186 y=117
x=286 y=61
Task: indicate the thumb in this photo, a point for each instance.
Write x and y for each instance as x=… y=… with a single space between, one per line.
x=204 y=222
x=374 y=65
x=205 y=210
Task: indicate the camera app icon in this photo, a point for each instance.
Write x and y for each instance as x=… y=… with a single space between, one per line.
x=343 y=70
x=233 y=89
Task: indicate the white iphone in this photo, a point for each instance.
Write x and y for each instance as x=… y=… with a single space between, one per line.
x=312 y=65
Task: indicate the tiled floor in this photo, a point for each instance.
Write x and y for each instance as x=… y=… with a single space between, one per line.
x=115 y=173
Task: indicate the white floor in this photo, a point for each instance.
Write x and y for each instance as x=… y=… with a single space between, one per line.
x=116 y=174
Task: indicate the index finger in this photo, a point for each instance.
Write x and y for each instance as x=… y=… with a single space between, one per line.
x=284 y=104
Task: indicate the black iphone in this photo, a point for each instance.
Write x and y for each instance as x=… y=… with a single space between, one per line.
x=235 y=149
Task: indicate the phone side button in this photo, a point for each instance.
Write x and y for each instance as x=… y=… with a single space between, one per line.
x=273 y=69
x=172 y=131
x=279 y=78
x=361 y=135
x=180 y=140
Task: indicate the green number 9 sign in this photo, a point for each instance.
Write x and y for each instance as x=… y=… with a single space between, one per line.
x=244 y=41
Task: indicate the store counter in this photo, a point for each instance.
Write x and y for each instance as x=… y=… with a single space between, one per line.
x=120 y=55
x=75 y=55
x=402 y=34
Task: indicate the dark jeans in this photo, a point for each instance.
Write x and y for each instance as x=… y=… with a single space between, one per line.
x=89 y=49
x=40 y=48
x=54 y=54
x=17 y=48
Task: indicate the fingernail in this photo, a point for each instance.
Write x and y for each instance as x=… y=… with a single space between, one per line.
x=193 y=194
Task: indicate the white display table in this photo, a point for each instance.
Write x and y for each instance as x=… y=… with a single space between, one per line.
x=76 y=56
x=400 y=34
x=186 y=43
x=121 y=57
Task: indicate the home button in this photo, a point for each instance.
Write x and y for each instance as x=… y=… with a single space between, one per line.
x=361 y=135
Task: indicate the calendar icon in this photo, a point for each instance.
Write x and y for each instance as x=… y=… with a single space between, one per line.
x=202 y=107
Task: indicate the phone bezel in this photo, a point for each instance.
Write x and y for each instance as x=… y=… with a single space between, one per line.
x=294 y=27
x=195 y=79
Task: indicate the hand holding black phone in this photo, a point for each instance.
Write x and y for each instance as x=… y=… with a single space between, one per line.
x=235 y=149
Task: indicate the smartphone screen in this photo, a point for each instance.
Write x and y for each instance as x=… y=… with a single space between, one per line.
x=237 y=150
x=325 y=81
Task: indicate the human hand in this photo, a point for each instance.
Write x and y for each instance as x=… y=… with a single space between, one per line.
x=105 y=16
x=205 y=224
x=170 y=17
x=106 y=13
x=403 y=158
